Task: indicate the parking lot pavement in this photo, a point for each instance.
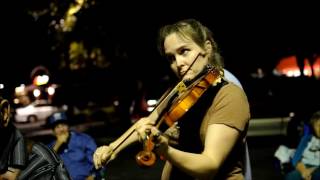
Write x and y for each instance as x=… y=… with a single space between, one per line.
x=263 y=164
x=261 y=150
x=124 y=167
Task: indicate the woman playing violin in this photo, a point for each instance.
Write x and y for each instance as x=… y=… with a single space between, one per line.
x=210 y=136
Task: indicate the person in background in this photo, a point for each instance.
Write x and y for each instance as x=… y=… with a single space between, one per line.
x=75 y=149
x=306 y=159
x=212 y=132
x=13 y=154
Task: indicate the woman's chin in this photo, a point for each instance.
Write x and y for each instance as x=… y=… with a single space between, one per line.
x=188 y=78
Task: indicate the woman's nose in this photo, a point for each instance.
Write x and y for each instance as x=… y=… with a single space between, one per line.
x=179 y=61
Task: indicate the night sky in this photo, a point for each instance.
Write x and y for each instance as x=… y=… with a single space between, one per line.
x=249 y=35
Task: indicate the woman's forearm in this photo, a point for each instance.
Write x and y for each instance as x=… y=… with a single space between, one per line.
x=185 y=161
x=126 y=139
x=129 y=137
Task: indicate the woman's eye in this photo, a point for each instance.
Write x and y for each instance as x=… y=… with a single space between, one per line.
x=184 y=51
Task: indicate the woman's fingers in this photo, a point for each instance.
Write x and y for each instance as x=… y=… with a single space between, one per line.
x=101 y=156
x=143 y=132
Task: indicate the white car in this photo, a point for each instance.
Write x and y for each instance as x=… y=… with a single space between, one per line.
x=36 y=111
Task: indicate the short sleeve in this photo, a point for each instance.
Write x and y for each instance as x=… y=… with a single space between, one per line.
x=230 y=107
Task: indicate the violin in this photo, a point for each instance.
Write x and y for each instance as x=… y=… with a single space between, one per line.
x=177 y=103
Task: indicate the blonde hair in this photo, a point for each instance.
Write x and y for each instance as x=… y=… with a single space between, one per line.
x=194 y=30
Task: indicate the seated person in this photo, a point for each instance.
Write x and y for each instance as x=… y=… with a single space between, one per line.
x=13 y=155
x=75 y=149
x=306 y=159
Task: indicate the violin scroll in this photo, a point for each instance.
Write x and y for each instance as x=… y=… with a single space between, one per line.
x=147 y=157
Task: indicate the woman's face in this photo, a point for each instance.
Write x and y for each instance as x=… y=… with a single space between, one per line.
x=316 y=128
x=181 y=53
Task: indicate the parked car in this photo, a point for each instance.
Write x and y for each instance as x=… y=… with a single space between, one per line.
x=38 y=110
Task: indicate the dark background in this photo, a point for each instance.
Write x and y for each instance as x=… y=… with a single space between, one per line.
x=249 y=35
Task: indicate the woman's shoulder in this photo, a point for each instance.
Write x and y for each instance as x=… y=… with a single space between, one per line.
x=232 y=90
x=231 y=107
x=233 y=86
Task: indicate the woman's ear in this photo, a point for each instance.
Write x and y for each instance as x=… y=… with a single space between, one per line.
x=5 y=112
x=208 y=47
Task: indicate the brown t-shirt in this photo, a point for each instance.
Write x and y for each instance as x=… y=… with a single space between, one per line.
x=227 y=105
x=230 y=107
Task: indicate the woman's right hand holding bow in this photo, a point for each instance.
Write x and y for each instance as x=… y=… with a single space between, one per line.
x=103 y=155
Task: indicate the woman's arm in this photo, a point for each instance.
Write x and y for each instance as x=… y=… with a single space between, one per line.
x=166 y=171
x=106 y=153
x=220 y=139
